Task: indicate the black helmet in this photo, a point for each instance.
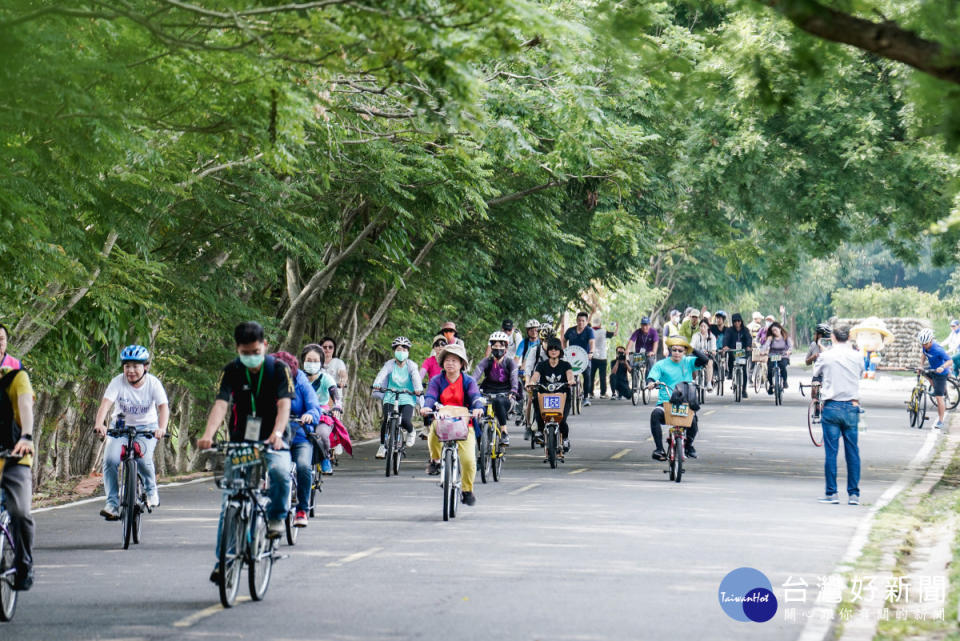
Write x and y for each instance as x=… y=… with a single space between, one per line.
x=825 y=330
x=506 y=325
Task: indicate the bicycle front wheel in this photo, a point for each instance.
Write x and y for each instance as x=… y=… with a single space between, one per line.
x=922 y=410
x=447 y=484
x=483 y=451
x=8 y=596
x=260 y=559
x=496 y=464
x=813 y=425
x=231 y=555
x=128 y=502
x=677 y=459
x=738 y=384
x=913 y=406
x=390 y=444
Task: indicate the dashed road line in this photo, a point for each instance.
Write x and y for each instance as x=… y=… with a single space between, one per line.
x=354 y=557
x=188 y=621
x=621 y=454
x=580 y=471
x=523 y=489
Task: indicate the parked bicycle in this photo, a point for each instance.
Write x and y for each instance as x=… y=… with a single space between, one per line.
x=8 y=571
x=133 y=497
x=490 y=449
x=243 y=536
x=814 y=410
x=394 y=444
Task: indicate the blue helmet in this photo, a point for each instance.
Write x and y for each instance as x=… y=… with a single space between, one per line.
x=135 y=354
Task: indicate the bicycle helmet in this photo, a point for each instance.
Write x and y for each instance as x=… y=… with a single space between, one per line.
x=546 y=332
x=498 y=337
x=722 y=314
x=400 y=341
x=135 y=354
x=825 y=330
x=925 y=336
x=533 y=323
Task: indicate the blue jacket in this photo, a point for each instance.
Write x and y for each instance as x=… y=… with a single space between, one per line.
x=471 y=393
x=305 y=401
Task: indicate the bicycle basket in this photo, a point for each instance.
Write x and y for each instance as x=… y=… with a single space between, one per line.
x=243 y=467
x=759 y=357
x=637 y=358
x=452 y=428
x=551 y=405
x=680 y=415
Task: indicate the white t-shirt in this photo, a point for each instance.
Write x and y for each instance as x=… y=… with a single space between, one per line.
x=138 y=404
x=334 y=367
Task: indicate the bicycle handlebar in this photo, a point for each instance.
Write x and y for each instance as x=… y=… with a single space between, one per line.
x=127 y=431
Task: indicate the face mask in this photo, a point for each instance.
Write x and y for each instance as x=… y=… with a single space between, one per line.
x=312 y=368
x=400 y=355
x=251 y=360
x=498 y=353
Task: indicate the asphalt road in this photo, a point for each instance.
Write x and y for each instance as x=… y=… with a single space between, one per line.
x=603 y=548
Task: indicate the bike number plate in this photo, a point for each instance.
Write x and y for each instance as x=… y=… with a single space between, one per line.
x=774 y=358
x=679 y=410
x=552 y=402
x=740 y=361
x=739 y=345
x=252 y=431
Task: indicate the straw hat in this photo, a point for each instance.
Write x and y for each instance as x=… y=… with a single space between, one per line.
x=873 y=324
x=457 y=350
x=680 y=340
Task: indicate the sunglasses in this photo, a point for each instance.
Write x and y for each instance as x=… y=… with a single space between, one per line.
x=678 y=349
x=328 y=347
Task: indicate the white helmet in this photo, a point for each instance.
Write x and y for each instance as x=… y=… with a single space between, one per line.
x=400 y=341
x=534 y=323
x=925 y=336
x=498 y=336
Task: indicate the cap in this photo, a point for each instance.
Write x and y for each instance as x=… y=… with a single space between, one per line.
x=954 y=322
x=448 y=325
x=645 y=320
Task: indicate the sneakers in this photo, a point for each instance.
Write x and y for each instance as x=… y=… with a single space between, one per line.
x=831 y=499
x=110 y=513
x=468 y=498
x=433 y=468
x=153 y=500
x=659 y=455
x=274 y=529
x=326 y=467
x=586 y=402
x=23 y=579
x=566 y=445
x=853 y=500
x=938 y=425
x=382 y=452
x=745 y=393
x=411 y=438
x=527 y=433
x=690 y=451
x=301 y=520
x=338 y=450
x=504 y=439
x=215 y=575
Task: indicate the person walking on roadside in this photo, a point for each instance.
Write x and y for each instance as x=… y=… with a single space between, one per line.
x=598 y=364
x=841 y=369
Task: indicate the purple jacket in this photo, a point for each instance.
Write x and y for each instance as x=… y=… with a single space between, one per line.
x=648 y=342
x=471 y=393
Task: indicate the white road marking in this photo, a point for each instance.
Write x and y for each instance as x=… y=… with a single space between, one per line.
x=621 y=454
x=354 y=557
x=524 y=489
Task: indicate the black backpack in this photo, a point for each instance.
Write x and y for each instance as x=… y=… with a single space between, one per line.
x=685 y=392
x=9 y=430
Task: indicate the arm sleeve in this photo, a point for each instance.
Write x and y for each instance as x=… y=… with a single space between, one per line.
x=159 y=394
x=284 y=381
x=701 y=358
x=514 y=377
x=335 y=394
x=476 y=400
x=480 y=368
x=433 y=392
x=818 y=365
x=654 y=337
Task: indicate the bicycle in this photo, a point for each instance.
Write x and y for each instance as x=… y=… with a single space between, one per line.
x=953 y=393
x=316 y=485
x=243 y=536
x=490 y=449
x=739 y=373
x=452 y=425
x=394 y=444
x=638 y=374
x=577 y=406
x=679 y=418
x=917 y=405
x=760 y=375
x=700 y=377
x=8 y=571
x=719 y=373
x=133 y=498
x=814 y=410
x=775 y=382
x=551 y=409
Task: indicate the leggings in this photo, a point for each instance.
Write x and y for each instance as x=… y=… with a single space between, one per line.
x=406 y=419
x=564 y=428
x=501 y=405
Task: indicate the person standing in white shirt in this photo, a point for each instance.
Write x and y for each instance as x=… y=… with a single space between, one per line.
x=141 y=399
x=952 y=345
x=841 y=368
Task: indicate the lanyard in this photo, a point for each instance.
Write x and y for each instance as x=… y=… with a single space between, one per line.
x=253 y=400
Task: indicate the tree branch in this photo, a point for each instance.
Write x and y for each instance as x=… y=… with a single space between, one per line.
x=523 y=194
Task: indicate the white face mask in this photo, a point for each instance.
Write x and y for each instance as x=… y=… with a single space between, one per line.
x=312 y=368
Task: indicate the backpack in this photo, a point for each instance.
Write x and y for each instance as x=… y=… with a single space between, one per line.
x=9 y=430
x=685 y=392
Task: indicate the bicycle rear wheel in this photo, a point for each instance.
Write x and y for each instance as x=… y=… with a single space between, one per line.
x=261 y=557
x=496 y=464
x=138 y=508
x=922 y=410
x=483 y=454
x=635 y=381
x=128 y=499
x=644 y=392
x=399 y=454
x=8 y=596
x=814 y=427
x=551 y=445
x=316 y=486
x=757 y=378
x=953 y=393
x=231 y=555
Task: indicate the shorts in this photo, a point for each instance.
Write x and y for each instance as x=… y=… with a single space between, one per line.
x=939 y=384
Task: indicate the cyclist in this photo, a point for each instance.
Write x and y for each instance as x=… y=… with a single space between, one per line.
x=718 y=327
x=705 y=342
x=778 y=342
x=822 y=332
x=939 y=361
x=304 y=406
x=535 y=355
x=261 y=389
x=952 y=345
x=399 y=373
x=764 y=331
x=449 y=331
x=16 y=481
x=671 y=328
x=598 y=364
x=499 y=373
x=312 y=359
x=736 y=334
x=430 y=367
x=333 y=365
x=513 y=339
x=644 y=341
x=554 y=370
x=454 y=387
x=756 y=324
x=671 y=371
x=528 y=343
x=690 y=324
x=582 y=336
x=140 y=397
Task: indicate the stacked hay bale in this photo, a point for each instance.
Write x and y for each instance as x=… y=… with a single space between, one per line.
x=904 y=352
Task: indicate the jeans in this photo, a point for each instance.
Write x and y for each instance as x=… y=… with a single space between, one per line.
x=111 y=461
x=302 y=455
x=598 y=372
x=278 y=473
x=657 y=420
x=16 y=483
x=840 y=418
